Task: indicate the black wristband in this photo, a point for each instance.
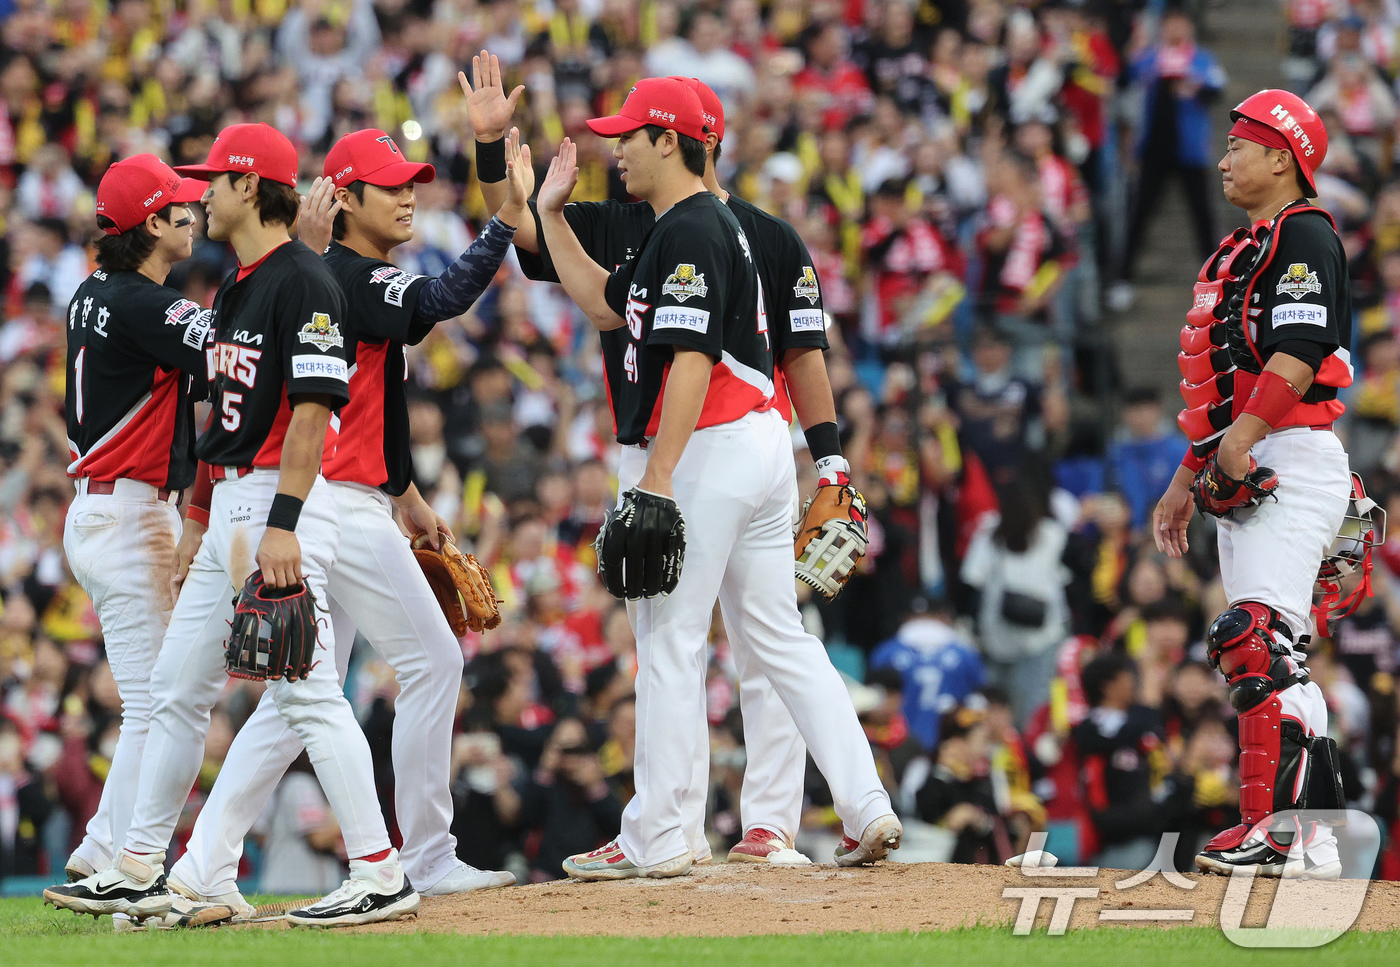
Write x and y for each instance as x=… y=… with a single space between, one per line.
x=284 y=513
x=823 y=440
x=491 y=161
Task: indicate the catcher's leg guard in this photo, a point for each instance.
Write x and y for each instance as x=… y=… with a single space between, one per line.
x=1242 y=643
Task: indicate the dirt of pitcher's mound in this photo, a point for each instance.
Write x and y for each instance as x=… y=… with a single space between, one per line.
x=742 y=899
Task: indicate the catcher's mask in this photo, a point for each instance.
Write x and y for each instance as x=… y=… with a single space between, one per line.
x=1362 y=530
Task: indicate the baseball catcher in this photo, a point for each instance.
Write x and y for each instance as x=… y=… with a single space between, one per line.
x=273 y=634
x=831 y=537
x=641 y=546
x=462 y=586
x=1263 y=355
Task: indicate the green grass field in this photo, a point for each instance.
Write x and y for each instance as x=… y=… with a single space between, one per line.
x=36 y=936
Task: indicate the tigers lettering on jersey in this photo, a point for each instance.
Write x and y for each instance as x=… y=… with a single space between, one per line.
x=278 y=334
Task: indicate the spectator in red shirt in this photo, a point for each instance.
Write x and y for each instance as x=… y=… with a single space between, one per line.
x=832 y=73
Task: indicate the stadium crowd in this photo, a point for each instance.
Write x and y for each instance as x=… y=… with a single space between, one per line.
x=963 y=172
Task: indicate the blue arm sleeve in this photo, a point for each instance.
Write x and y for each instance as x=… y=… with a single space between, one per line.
x=454 y=292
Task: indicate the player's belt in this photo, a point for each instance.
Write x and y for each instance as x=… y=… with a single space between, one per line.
x=228 y=473
x=128 y=488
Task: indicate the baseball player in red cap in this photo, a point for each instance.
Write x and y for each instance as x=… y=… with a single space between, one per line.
x=611 y=232
x=279 y=370
x=697 y=343
x=1263 y=355
x=376 y=586
x=135 y=369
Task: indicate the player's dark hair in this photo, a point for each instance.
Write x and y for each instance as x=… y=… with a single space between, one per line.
x=276 y=202
x=126 y=252
x=692 y=151
x=356 y=188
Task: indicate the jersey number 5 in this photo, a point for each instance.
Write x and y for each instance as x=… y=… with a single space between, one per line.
x=231 y=418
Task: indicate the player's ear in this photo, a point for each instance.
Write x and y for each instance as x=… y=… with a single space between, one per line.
x=343 y=196
x=153 y=224
x=250 y=185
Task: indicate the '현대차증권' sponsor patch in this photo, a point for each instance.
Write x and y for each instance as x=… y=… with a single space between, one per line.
x=1303 y=314
x=807 y=320
x=320 y=367
x=676 y=317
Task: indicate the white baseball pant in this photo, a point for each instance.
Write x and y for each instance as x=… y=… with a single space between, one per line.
x=189 y=674
x=121 y=549
x=376 y=586
x=734 y=485
x=1271 y=553
x=776 y=763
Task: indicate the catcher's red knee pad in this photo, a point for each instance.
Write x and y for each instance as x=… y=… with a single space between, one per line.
x=1242 y=644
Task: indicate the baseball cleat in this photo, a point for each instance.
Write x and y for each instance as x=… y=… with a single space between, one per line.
x=133 y=885
x=78 y=868
x=184 y=914
x=468 y=879
x=761 y=845
x=1265 y=860
x=609 y=863
x=1306 y=869
x=881 y=836
x=375 y=892
x=242 y=909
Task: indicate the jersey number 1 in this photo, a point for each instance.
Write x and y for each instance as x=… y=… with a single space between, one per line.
x=78 y=384
x=763 y=318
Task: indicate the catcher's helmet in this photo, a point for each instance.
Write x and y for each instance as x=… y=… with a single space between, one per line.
x=1362 y=530
x=1294 y=118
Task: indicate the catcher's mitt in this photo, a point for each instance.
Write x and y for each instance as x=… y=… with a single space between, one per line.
x=1218 y=494
x=641 y=546
x=273 y=632
x=830 y=538
x=461 y=585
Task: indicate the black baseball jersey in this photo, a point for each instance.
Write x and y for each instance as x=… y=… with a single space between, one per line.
x=791 y=293
x=279 y=331
x=136 y=366
x=612 y=232
x=1303 y=294
x=693 y=285
x=371 y=442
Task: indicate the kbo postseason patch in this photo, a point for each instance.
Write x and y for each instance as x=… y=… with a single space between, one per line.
x=321 y=332
x=684 y=283
x=806 y=287
x=1298 y=281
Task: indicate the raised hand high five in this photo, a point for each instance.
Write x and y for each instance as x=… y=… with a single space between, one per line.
x=520 y=179
x=560 y=180
x=488 y=108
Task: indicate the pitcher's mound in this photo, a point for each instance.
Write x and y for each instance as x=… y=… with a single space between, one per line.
x=743 y=899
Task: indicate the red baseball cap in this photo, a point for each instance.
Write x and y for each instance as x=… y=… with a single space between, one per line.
x=135 y=187
x=259 y=148
x=710 y=105
x=663 y=101
x=372 y=156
